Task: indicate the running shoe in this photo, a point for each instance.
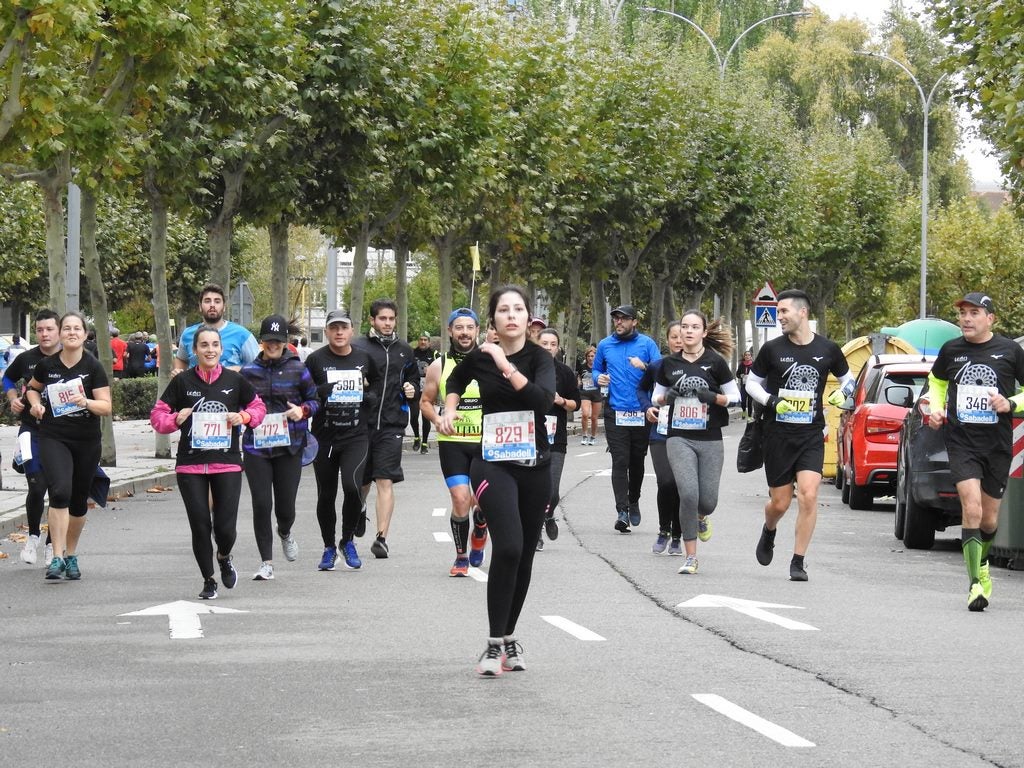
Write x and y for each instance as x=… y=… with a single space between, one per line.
x=477 y=544
x=634 y=514
x=689 y=565
x=551 y=527
x=352 y=561
x=379 y=548
x=228 y=574
x=765 y=546
x=329 y=559
x=47 y=554
x=290 y=547
x=675 y=547
x=209 y=590
x=703 y=529
x=660 y=544
x=71 y=569
x=490 y=664
x=415 y=445
x=461 y=567
x=622 y=522
x=585 y=440
x=976 y=600
x=265 y=573
x=797 y=572
x=540 y=544
x=424 y=447
x=985 y=579
x=361 y=523
x=30 y=551
x=513 y=661
x=55 y=570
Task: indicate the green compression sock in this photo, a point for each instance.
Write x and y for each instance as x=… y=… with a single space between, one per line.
x=972 y=546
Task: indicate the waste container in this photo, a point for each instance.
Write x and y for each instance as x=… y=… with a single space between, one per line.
x=1008 y=544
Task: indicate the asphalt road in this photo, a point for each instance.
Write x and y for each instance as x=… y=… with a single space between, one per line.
x=375 y=667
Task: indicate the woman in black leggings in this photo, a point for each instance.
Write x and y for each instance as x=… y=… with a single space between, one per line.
x=68 y=393
x=209 y=404
x=510 y=477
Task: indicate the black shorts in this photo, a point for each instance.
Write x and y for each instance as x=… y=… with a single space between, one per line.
x=455 y=460
x=384 y=460
x=991 y=467
x=593 y=395
x=788 y=450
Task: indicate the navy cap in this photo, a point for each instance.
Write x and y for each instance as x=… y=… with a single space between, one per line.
x=274 y=328
x=626 y=310
x=338 y=316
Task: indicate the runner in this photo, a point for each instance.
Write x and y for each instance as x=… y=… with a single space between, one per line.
x=591 y=396
x=342 y=375
x=697 y=385
x=980 y=370
x=424 y=355
x=510 y=476
x=68 y=392
x=209 y=404
x=238 y=345
x=789 y=377
x=669 y=533
x=456 y=451
x=273 y=451
x=15 y=379
x=567 y=400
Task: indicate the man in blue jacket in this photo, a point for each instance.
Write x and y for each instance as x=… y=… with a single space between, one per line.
x=619 y=364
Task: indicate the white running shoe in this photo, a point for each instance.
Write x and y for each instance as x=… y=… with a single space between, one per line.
x=490 y=664
x=265 y=573
x=689 y=565
x=29 y=552
x=290 y=547
x=47 y=555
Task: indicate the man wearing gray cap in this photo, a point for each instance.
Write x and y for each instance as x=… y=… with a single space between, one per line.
x=619 y=364
x=971 y=388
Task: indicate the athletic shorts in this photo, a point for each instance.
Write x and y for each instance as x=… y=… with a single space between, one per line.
x=992 y=467
x=593 y=395
x=788 y=451
x=455 y=461
x=384 y=459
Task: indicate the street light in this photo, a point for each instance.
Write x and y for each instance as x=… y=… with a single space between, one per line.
x=926 y=106
x=724 y=62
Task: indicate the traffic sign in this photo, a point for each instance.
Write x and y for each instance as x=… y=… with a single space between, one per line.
x=766 y=294
x=766 y=315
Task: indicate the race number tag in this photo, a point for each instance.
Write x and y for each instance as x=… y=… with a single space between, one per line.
x=210 y=431
x=551 y=426
x=689 y=413
x=509 y=436
x=348 y=387
x=587 y=381
x=60 y=393
x=663 y=414
x=629 y=418
x=802 y=401
x=272 y=432
x=973 y=406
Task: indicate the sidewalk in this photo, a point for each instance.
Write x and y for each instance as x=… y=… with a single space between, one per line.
x=136 y=469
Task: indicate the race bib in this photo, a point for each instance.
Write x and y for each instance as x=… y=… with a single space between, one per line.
x=803 y=401
x=663 y=415
x=551 y=426
x=348 y=387
x=60 y=393
x=689 y=413
x=509 y=436
x=973 y=406
x=272 y=432
x=587 y=381
x=629 y=418
x=210 y=431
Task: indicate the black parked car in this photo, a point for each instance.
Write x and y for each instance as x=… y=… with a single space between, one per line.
x=926 y=498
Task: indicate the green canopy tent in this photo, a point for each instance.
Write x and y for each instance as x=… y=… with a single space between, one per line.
x=927 y=334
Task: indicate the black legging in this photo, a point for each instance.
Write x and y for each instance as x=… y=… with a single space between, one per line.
x=414 y=422
x=34 y=502
x=273 y=484
x=221 y=521
x=346 y=460
x=628 y=447
x=69 y=489
x=513 y=500
x=668 y=493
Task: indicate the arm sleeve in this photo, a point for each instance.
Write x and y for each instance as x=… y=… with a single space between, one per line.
x=847 y=383
x=755 y=388
x=257 y=411
x=660 y=391
x=731 y=391
x=937 y=391
x=162 y=418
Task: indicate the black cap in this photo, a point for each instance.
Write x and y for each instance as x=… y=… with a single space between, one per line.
x=338 y=316
x=976 y=299
x=626 y=310
x=274 y=328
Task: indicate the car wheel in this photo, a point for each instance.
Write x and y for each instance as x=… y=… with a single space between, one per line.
x=846 y=490
x=918 y=531
x=901 y=505
x=860 y=495
x=837 y=481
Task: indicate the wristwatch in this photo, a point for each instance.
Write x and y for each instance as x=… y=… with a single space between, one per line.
x=511 y=369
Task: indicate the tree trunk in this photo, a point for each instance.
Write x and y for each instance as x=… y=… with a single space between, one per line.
x=401 y=249
x=819 y=315
x=161 y=312
x=220 y=230
x=599 y=329
x=56 y=256
x=360 y=260
x=755 y=341
x=573 y=317
x=98 y=300
x=739 y=320
x=278 y=232
x=658 y=287
x=444 y=247
x=670 y=304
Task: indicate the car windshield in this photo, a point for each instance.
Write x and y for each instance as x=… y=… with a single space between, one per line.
x=915 y=381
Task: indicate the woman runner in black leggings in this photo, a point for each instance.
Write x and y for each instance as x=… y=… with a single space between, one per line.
x=510 y=477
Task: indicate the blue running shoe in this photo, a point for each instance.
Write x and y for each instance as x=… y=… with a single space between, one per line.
x=71 y=570
x=329 y=559
x=352 y=561
x=55 y=570
x=477 y=544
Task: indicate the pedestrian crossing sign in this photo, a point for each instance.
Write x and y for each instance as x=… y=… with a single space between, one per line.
x=766 y=316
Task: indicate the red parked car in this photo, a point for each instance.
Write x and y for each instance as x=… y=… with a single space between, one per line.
x=869 y=428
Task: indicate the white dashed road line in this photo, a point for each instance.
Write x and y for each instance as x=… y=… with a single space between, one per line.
x=574 y=629
x=442 y=537
x=765 y=727
x=439 y=511
x=476 y=573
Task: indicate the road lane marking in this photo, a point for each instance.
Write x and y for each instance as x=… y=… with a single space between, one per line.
x=574 y=629
x=588 y=453
x=442 y=537
x=439 y=511
x=751 y=608
x=608 y=473
x=742 y=716
x=476 y=573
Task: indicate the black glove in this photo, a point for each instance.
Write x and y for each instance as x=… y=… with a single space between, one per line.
x=707 y=396
x=682 y=388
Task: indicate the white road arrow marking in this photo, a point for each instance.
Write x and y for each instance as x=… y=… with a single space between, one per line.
x=439 y=511
x=740 y=715
x=751 y=608
x=183 y=617
x=441 y=537
x=574 y=629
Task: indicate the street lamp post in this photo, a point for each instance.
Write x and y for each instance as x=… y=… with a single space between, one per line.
x=926 y=106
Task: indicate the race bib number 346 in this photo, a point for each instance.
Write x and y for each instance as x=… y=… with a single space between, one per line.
x=509 y=436
x=973 y=406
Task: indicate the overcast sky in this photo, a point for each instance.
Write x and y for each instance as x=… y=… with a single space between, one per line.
x=984 y=167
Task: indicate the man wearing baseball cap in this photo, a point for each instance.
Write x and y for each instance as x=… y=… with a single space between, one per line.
x=971 y=385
